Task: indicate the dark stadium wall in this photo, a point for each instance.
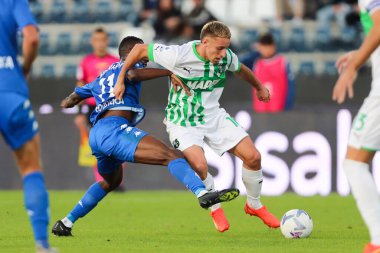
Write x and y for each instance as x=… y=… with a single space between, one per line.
x=300 y=148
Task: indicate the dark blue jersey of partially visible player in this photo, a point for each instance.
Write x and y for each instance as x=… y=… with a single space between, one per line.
x=14 y=16
x=102 y=90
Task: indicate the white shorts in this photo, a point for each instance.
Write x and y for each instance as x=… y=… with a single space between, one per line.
x=365 y=129
x=221 y=133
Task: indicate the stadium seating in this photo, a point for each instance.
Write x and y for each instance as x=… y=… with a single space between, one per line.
x=70 y=71
x=306 y=68
x=113 y=39
x=277 y=35
x=80 y=12
x=247 y=38
x=48 y=71
x=127 y=12
x=323 y=39
x=297 y=40
x=37 y=10
x=329 y=68
x=64 y=45
x=44 y=44
x=84 y=46
x=103 y=12
x=58 y=12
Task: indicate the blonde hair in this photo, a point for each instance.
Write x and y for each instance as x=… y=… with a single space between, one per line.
x=215 y=29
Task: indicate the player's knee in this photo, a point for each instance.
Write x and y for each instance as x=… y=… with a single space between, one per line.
x=116 y=183
x=253 y=161
x=170 y=155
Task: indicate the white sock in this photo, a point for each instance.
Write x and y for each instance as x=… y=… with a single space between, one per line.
x=209 y=183
x=364 y=190
x=67 y=222
x=253 y=181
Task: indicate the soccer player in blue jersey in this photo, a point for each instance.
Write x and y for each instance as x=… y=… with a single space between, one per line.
x=17 y=122
x=114 y=138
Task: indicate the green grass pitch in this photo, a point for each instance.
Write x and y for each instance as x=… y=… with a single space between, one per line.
x=172 y=221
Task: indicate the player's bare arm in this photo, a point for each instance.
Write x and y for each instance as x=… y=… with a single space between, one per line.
x=344 y=85
x=151 y=73
x=138 y=52
x=71 y=100
x=29 y=47
x=246 y=74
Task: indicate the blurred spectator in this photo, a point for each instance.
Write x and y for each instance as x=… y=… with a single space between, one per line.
x=148 y=11
x=291 y=9
x=88 y=70
x=274 y=72
x=167 y=21
x=199 y=16
x=330 y=10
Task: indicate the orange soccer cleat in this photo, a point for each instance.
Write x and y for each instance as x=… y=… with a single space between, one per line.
x=370 y=248
x=269 y=219
x=220 y=220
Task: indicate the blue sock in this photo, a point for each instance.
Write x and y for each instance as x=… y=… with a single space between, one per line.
x=93 y=195
x=36 y=201
x=183 y=172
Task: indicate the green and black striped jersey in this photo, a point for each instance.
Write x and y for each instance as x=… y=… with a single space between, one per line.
x=205 y=80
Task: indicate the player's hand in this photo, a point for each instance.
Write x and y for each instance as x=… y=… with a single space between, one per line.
x=119 y=89
x=263 y=94
x=66 y=103
x=344 y=85
x=176 y=81
x=343 y=61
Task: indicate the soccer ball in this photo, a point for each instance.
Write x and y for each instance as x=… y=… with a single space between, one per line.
x=296 y=223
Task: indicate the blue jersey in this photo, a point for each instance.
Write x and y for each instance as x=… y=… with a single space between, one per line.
x=14 y=16
x=102 y=90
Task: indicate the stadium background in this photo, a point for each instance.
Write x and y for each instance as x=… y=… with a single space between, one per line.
x=306 y=161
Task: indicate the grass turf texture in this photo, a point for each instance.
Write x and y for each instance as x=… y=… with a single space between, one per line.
x=172 y=221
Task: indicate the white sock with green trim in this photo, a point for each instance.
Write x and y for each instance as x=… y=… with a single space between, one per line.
x=367 y=198
x=209 y=183
x=253 y=181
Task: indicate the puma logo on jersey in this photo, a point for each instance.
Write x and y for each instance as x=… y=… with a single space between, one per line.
x=187 y=69
x=202 y=84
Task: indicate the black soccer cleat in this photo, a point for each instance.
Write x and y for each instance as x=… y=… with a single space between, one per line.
x=59 y=229
x=212 y=198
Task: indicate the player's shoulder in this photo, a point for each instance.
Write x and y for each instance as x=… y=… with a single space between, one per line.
x=186 y=48
x=87 y=58
x=367 y=5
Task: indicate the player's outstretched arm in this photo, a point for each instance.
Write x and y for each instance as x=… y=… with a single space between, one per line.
x=344 y=85
x=30 y=45
x=246 y=74
x=136 y=75
x=151 y=73
x=71 y=100
x=138 y=52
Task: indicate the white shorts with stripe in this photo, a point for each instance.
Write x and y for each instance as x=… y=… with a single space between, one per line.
x=365 y=130
x=220 y=133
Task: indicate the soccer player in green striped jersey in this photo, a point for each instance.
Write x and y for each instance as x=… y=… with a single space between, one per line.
x=364 y=138
x=195 y=118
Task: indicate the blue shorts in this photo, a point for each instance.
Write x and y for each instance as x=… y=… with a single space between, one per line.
x=113 y=142
x=18 y=124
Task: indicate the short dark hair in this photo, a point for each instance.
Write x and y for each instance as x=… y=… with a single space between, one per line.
x=127 y=44
x=100 y=30
x=266 y=39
